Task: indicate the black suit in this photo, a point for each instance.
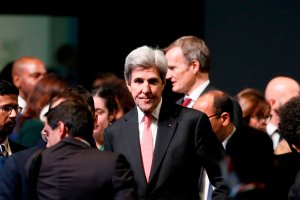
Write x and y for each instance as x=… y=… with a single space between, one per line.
x=184 y=142
x=73 y=170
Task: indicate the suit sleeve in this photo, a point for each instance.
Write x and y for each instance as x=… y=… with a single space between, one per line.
x=107 y=145
x=211 y=152
x=9 y=181
x=123 y=181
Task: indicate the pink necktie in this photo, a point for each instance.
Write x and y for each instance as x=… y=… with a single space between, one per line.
x=186 y=102
x=147 y=146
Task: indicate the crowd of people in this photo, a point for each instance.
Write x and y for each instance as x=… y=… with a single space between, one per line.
x=123 y=139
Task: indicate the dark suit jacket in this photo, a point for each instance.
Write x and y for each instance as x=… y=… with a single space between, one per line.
x=184 y=143
x=73 y=170
x=15 y=147
x=13 y=182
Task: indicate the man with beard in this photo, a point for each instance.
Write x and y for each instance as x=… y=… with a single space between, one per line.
x=9 y=110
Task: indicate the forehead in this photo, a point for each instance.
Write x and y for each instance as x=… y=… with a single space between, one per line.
x=145 y=73
x=33 y=67
x=205 y=103
x=8 y=99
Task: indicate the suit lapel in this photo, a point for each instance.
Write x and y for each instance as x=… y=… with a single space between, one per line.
x=167 y=124
x=131 y=129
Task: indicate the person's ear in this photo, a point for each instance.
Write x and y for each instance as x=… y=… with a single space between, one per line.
x=225 y=118
x=195 y=64
x=62 y=128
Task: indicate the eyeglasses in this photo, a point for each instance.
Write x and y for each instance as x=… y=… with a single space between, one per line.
x=214 y=115
x=8 y=109
x=263 y=118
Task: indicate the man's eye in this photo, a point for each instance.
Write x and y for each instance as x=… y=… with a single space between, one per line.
x=138 y=81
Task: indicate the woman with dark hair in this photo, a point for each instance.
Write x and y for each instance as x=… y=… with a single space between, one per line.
x=106 y=108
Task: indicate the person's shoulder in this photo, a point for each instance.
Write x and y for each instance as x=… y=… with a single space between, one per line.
x=22 y=156
x=15 y=147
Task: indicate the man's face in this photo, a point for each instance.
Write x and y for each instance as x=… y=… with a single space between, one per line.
x=180 y=72
x=52 y=136
x=146 y=88
x=205 y=104
x=30 y=74
x=8 y=119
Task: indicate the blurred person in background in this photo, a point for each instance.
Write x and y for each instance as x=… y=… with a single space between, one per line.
x=256 y=110
x=106 y=108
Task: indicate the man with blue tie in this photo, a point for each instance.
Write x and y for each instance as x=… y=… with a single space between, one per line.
x=9 y=110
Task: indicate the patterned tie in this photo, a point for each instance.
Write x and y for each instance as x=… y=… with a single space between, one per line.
x=3 y=152
x=186 y=102
x=147 y=146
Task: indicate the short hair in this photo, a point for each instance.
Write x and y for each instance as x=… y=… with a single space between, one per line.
x=223 y=103
x=289 y=124
x=193 y=48
x=146 y=57
x=7 y=88
x=76 y=116
x=78 y=94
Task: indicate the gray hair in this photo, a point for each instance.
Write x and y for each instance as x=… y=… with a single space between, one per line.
x=146 y=57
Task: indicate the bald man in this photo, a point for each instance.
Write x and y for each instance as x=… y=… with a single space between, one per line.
x=26 y=71
x=279 y=90
x=220 y=110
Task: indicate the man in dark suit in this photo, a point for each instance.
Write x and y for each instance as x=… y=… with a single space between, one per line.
x=182 y=138
x=9 y=110
x=81 y=171
x=13 y=181
x=188 y=70
x=189 y=65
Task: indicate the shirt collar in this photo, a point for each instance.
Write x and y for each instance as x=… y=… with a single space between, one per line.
x=155 y=113
x=196 y=93
x=271 y=128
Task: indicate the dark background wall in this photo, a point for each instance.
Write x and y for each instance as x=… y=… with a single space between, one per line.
x=250 y=41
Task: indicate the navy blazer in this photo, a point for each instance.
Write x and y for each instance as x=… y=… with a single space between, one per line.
x=184 y=143
x=13 y=181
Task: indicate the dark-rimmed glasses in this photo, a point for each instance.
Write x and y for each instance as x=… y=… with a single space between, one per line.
x=8 y=109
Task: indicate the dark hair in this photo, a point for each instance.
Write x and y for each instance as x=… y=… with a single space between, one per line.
x=76 y=117
x=289 y=125
x=223 y=103
x=109 y=95
x=7 y=88
x=78 y=94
